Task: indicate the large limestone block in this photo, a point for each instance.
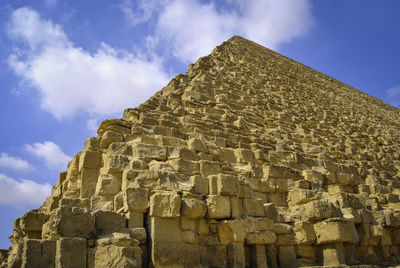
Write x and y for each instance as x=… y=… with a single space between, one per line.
x=89 y=159
x=197 y=144
x=38 y=253
x=192 y=206
x=69 y=222
x=244 y=155
x=110 y=222
x=200 y=184
x=33 y=221
x=149 y=151
x=165 y=204
x=108 y=185
x=287 y=257
x=71 y=252
x=319 y=210
x=335 y=230
x=333 y=254
x=392 y=218
x=280 y=172
x=218 y=207
x=136 y=199
x=185 y=166
x=227 y=185
x=254 y=207
x=231 y=231
x=89 y=177
x=258 y=256
x=261 y=238
x=110 y=137
x=168 y=246
x=304 y=232
x=107 y=255
x=114 y=163
x=236 y=255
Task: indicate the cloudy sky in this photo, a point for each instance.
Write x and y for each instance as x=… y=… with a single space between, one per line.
x=67 y=65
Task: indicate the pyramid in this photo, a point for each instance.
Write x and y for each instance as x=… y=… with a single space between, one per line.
x=250 y=159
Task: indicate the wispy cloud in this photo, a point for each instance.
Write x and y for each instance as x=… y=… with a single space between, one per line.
x=140 y=11
x=192 y=28
x=20 y=193
x=50 y=153
x=71 y=80
x=15 y=163
x=393 y=96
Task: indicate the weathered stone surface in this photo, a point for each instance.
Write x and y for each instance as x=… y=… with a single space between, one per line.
x=165 y=204
x=71 y=252
x=248 y=160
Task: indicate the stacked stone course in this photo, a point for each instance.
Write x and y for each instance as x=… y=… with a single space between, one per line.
x=248 y=160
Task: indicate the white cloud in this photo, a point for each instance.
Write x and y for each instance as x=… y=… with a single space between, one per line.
x=16 y=163
x=139 y=11
x=71 y=80
x=194 y=28
x=23 y=192
x=393 y=95
x=51 y=153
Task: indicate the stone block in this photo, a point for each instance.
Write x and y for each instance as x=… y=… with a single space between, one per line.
x=197 y=144
x=75 y=202
x=89 y=177
x=230 y=231
x=149 y=151
x=38 y=253
x=319 y=210
x=244 y=155
x=185 y=166
x=116 y=256
x=285 y=240
x=304 y=233
x=139 y=234
x=165 y=204
x=208 y=168
x=333 y=254
x=392 y=218
x=71 y=252
x=236 y=255
x=227 y=185
x=258 y=256
x=108 y=185
x=279 y=172
x=110 y=222
x=99 y=202
x=282 y=228
x=287 y=257
x=227 y=154
x=136 y=199
x=114 y=163
x=254 y=207
x=200 y=184
x=89 y=159
x=33 y=221
x=270 y=211
x=135 y=219
x=110 y=137
x=261 y=238
x=69 y=222
x=335 y=231
x=218 y=207
x=192 y=206
x=236 y=207
x=168 y=247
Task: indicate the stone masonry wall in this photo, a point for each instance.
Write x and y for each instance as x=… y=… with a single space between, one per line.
x=248 y=160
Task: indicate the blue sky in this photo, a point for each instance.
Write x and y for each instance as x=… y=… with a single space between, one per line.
x=67 y=65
